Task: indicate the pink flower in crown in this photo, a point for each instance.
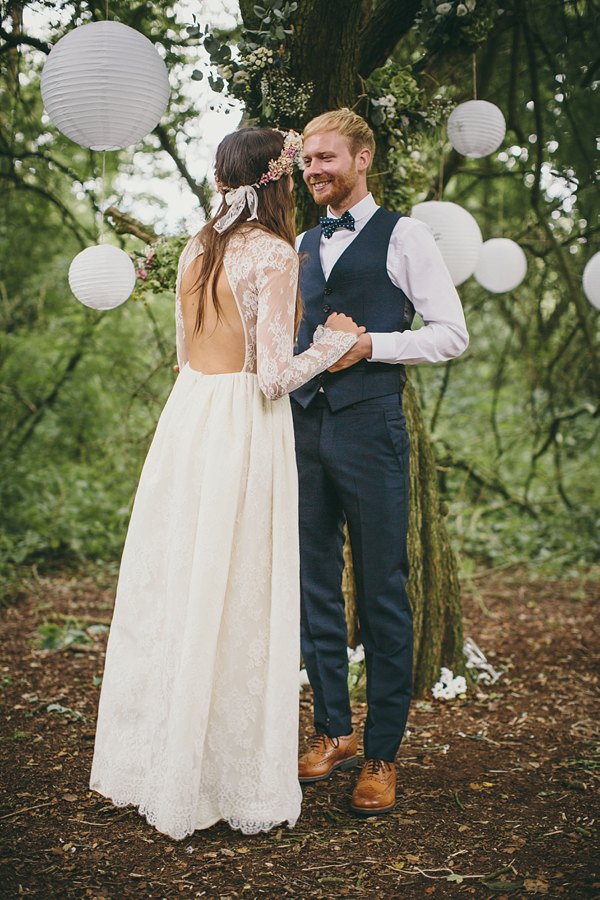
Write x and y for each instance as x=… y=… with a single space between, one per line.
x=287 y=159
x=142 y=274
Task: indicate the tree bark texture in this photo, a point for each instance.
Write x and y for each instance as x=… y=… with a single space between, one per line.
x=336 y=44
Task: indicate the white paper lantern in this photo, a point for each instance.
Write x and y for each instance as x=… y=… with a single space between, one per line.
x=456 y=233
x=591 y=280
x=476 y=128
x=105 y=86
x=501 y=266
x=102 y=277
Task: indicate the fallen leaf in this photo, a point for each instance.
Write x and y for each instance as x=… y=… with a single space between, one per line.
x=70 y=798
x=536 y=886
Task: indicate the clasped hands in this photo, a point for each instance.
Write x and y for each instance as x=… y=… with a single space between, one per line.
x=362 y=349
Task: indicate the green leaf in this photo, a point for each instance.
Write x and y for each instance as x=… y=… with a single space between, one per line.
x=211 y=44
x=278 y=13
x=223 y=54
x=458 y=879
x=260 y=12
x=197 y=75
x=280 y=33
x=217 y=84
x=378 y=116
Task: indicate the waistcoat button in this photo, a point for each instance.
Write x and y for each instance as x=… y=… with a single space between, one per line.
x=326 y=308
x=328 y=291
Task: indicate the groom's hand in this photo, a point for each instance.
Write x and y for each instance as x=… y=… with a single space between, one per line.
x=363 y=349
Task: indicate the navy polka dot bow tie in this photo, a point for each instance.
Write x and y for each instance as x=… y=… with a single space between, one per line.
x=329 y=225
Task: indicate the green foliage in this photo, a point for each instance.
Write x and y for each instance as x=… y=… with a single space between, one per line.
x=259 y=74
x=458 y=25
x=53 y=637
x=157 y=267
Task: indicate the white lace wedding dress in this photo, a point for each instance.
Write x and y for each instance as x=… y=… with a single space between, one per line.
x=198 y=716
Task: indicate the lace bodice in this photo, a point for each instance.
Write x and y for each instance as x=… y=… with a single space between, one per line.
x=263 y=272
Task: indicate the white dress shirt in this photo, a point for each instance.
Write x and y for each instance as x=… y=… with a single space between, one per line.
x=415 y=265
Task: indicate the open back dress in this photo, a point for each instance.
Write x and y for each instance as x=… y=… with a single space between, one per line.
x=198 y=715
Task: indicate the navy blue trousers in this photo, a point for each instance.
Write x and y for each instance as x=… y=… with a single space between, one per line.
x=353 y=467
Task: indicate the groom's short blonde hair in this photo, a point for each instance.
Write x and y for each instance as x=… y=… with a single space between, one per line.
x=346 y=123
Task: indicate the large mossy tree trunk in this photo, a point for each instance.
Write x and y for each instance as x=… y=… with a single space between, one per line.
x=336 y=44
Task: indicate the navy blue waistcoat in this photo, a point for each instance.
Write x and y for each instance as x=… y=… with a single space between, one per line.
x=358 y=286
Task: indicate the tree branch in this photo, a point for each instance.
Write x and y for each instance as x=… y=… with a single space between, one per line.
x=389 y=21
x=69 y=219
x=202 y=191
x=125 y=224
x=15 y=40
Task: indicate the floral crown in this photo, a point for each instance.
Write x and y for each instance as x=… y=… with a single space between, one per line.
x=238 y=198
x=287 y=159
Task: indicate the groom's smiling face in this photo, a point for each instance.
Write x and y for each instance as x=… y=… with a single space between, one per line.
x=331 y=172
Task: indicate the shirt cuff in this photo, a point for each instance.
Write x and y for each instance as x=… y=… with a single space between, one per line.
x=384 y=348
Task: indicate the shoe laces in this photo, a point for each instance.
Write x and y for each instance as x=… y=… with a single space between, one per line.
x=377 y=766
x=319 y=741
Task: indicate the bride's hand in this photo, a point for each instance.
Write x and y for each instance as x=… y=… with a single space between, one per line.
x=342 y=322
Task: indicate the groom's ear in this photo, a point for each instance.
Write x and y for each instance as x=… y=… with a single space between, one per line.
x=363 y=159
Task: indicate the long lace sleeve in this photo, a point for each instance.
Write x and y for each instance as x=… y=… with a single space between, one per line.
x=278 y=370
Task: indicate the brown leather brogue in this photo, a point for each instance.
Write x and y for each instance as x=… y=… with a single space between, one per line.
x=375 y=790
x=325 y=754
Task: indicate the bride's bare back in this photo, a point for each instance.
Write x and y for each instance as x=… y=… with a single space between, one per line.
x=220 y=346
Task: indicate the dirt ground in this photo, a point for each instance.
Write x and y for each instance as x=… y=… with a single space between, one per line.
x=499 y=791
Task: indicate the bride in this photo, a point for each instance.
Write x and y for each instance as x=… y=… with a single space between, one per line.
x=198 y=716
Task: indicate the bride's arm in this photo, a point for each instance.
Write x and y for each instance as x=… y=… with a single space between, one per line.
x=278 y=370
x=190 y=252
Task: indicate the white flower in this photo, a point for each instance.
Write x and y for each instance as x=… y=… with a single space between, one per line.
x=460 y=685
x=461 y=10
x=470 y=4
x=443 y=9
x=449 y=687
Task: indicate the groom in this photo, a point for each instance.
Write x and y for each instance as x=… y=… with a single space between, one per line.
x=352 y=448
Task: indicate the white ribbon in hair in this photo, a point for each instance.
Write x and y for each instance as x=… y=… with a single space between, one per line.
x=237 y=200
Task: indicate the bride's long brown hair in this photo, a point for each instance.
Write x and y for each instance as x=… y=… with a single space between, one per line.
x=242 y=158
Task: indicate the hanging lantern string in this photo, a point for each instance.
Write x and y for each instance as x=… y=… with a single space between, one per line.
x=474 y=77
x=441 y=184
x=101 y=241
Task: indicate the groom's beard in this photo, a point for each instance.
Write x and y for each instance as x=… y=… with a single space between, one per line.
x=339 y=189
